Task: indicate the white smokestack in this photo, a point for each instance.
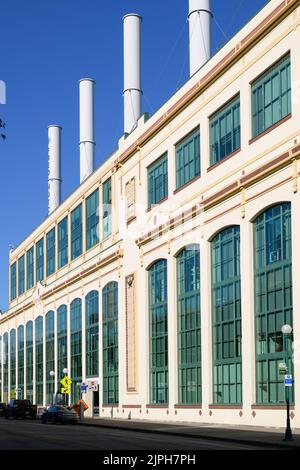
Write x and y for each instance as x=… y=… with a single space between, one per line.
x=87 y=142
x=132 y=71
x=54 y=167
x=200 y=37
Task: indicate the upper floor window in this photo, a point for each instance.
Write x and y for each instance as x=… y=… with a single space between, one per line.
x=13 y=281
x=39 y=253
x=158 y=180
x=63 y=243
x=92 y=220
x=188 y=158
x=271 y=96
x=107 y=208
x=30 y=268
x=21 y=275
x=76 y=232
x=225 y=131
x=50 y=244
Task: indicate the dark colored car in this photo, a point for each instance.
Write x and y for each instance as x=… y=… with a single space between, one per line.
x=20 y=409
x=59 y=414
x=2 y=409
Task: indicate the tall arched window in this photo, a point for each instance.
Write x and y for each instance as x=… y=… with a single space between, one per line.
x=62 y=343
x=273 y=297
x=39 y=360
x=50 y=366
x=29 y=360
x=92 y=333
x=12 y=381
x=110 y=343
x=76 y=347
x=226 y=317
x=5 y=368
x=158 y=313
x=21 y=362
x=188 y=313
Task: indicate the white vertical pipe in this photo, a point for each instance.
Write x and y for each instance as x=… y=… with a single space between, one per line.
x=54 y=167
x=132 y=71
x=87 y=141
x=200 y=35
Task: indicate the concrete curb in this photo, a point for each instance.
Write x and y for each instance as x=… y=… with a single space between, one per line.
x=259 y=443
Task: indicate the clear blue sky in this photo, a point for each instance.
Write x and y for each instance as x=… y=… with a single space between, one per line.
x=46 y=47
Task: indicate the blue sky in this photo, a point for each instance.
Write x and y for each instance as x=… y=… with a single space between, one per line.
x=46 y=47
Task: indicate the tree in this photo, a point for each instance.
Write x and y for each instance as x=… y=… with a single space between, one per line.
x=2 y=126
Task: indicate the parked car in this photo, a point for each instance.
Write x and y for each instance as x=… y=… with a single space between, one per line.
x=20 y=409
x=2 y=409
x=59 y=414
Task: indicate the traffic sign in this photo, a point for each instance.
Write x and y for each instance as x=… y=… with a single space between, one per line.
x=288 y=380
x=282 y=368
x=65 y=390
x=83 y=387
x=66 y=381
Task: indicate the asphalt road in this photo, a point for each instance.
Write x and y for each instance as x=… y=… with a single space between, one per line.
x=32 y=435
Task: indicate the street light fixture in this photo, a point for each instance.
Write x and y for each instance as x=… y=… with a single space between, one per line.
x=286 y=330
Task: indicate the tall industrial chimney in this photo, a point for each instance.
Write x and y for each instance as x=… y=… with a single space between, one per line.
x=132 y=71
x=200 y=37
x=54 y=167
x=87 y=142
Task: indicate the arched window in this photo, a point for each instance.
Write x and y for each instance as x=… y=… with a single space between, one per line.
x=39 y=360
x=50 y=366
x=76 y=347
x=158 y=316
x=21 y=362
x=226 y=317
x=5 y=368
x=273 y=298
x=188 y=314
x=92 y=333
x=29 y=360
x=62 y=343
x=12 y=335
x=110 y=343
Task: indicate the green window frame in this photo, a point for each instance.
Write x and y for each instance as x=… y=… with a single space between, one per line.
x=92 y=333
x=76 y=347
x=30 y=268
x=158 y=180
x=21 y=275
x=107 y=208
x=50 y=363
x=63 y=242
x=158 y=313
x=188 y=158
x=189 y=326
x=226 y=317
x=39 y=263
x=5 y=368
x=271 y=96
x=92 y=219
x=21 y=349
x=13 y=363
x=29 y=361
x=273 y=299
x=1 y=365
x=62 y=342
x=225 y=131
x=110 y=343
x=39 y=363
x=13 y=281
x=76 y=232
x=50 y=252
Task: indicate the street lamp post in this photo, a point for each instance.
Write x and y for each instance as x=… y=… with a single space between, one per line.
x=286 y=331
x=52 y=374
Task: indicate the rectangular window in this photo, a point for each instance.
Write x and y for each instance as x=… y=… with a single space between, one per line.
x=30 y=268
x=50 y=252
x=225 y=131
x=39 y=254
x=107 y=208
x=13 y=281
x=188 y=158
x=76 y=232
x=62 y=242
x=158 y=180
x=21 y=275
x=271 y=96
x=92 y=220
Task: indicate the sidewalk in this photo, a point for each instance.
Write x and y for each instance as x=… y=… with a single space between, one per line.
x=259 y=436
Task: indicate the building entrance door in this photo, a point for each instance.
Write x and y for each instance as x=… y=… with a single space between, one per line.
x=96 y=403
